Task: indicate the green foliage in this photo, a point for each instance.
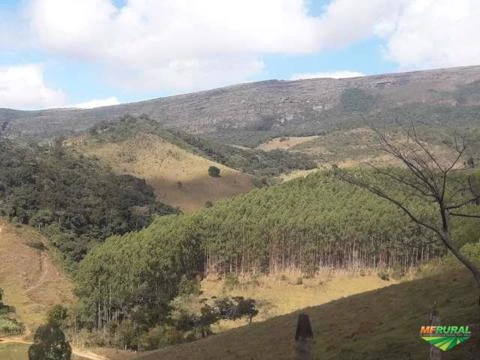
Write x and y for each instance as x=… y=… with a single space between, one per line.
x=213 y=171
x=308 y=223
x=188 y=287
x=161 y=336
x=252 y=161
x=305 y=224
x=137 y=275
x=49 y=344
x=472 y=251
x=73 y=199
x=57 y=315
x=227 y=308
x=8 y=325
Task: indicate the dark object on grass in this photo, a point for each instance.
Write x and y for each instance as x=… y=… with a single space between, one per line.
x=304 y=328
x=49 y=344
x=214 y=171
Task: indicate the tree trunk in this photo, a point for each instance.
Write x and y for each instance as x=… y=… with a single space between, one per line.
x=463 y=259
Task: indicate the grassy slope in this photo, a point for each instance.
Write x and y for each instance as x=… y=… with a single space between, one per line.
x=285 y=143
x=280 y=294
x=32 y=283
x=349 y=148
x=380 y=324
x=163 y=165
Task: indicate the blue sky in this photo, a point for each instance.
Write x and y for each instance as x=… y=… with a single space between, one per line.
x=61 y=53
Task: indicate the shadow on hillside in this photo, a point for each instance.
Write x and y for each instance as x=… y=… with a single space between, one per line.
x=194 y=193
x=380 y=324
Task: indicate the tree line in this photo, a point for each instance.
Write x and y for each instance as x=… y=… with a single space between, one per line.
x=305 y=224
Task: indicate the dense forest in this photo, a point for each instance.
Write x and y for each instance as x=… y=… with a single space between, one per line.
x=309 y=223
x=73 y=199
x=252 y=161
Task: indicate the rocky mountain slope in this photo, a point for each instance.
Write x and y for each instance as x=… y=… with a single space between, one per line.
x=249 y=113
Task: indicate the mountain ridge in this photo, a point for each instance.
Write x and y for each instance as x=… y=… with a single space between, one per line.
x=247 y=113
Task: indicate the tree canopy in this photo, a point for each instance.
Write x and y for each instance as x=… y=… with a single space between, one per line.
x=74 y=199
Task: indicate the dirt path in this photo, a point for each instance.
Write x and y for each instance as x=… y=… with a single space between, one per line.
x=82 y=353
x=43 y=273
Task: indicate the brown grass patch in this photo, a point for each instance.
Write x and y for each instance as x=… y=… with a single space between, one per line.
x=285 y=143
x=32 y=282
x=178 y=177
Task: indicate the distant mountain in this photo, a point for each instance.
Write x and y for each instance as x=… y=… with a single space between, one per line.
x=250 y=113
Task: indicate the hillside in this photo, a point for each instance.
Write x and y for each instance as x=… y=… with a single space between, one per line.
x=380 y=324
x=176 y=164
x=250 y=113
x=76 y=201
x=306 y=225
x=178 y=177
x=32 y=282
x=354 y=147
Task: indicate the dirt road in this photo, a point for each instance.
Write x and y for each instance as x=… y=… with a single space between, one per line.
x=78 y=352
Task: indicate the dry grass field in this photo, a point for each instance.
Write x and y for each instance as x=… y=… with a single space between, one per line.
x=351 y=148
x=178 y=177
x=378 y=324
x=289 y=292
x=285 y=143
x=31 y=281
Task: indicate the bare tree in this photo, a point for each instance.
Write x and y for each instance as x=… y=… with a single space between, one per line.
x=444 y=181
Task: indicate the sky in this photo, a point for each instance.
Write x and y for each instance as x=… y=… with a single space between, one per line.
x=89 y=53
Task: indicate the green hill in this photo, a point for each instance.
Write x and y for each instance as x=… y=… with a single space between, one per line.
x=304 y=225
x=74 y=200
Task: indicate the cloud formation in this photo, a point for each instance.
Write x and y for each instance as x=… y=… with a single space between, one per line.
x=415 y=33
x=434 y=33
x=184 y=45
x=179 y=44
x=24 y=87
x=95 y=103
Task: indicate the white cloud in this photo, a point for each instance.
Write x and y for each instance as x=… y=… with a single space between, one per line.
x=415 y=33
x=175 y=44
x=334 y=75
x=97 y=103
x=432 y=33
x=183 y=45
x=23 y=87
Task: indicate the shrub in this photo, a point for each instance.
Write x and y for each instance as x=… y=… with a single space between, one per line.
x=384 y=275
x=10 y=327
x=57 y=315
x=49 y=344
x=214 y=171
x=36 y=244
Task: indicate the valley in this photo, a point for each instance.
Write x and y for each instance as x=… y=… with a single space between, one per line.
x=199 y=226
